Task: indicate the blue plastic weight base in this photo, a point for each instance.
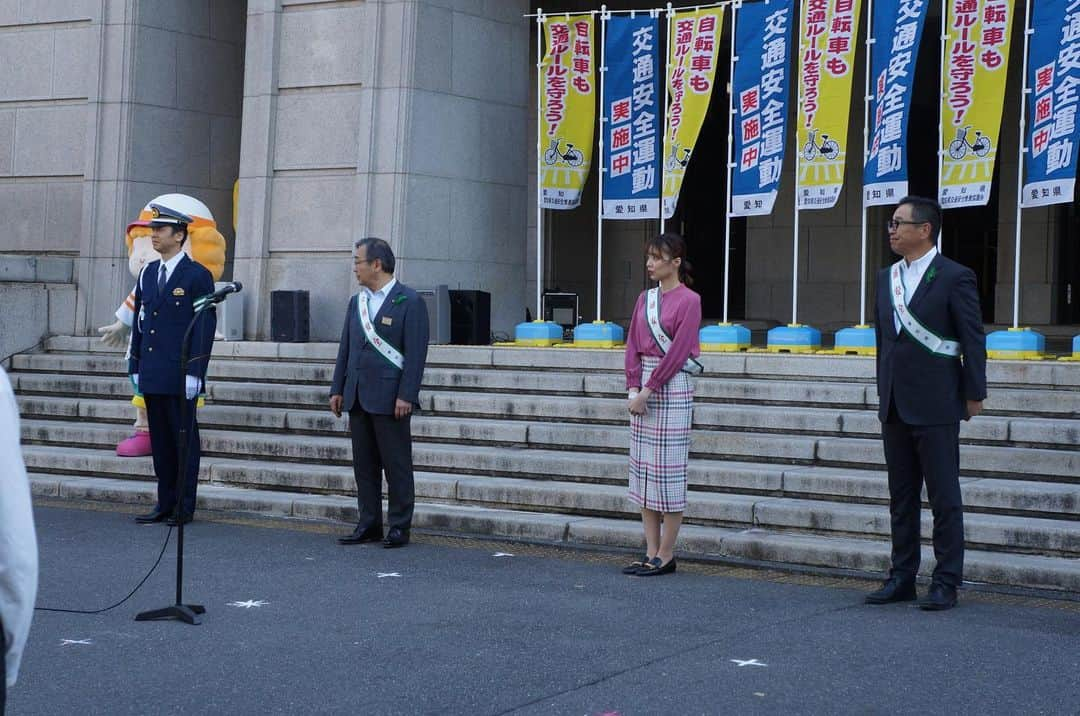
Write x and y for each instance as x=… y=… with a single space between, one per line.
x=724 y=337
x=857 y=339
x=598 y=334
x=793 y=338
x=1015 y=343
x=538 y=333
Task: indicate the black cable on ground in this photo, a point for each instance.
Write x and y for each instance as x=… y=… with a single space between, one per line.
x=129 y=596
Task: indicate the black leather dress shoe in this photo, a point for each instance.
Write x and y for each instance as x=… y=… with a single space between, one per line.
x=939 y=598
x=894 y=590
x=173 y=522
x=151 y=518
x=396 y=537
x=360 y=535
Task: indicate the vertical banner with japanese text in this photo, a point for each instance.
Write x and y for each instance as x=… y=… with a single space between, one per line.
x=897 y=27
x=693 y=41
x=976 y=65
x=761 y=90
x=633 y=109
x=567 y=110
x=1053 y=74
x=826 y=65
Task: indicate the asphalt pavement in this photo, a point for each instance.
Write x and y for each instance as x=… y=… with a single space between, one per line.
x=296 y=624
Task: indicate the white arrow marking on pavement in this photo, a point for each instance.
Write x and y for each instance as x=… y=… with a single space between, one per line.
x=746 y=662
x=383 y=575
x=249 y=604
x=502 y=554
x=84 y=642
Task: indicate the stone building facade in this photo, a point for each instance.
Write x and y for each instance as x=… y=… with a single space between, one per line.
x=413 y=120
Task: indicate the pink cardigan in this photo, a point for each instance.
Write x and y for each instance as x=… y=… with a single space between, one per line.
x=680 y=317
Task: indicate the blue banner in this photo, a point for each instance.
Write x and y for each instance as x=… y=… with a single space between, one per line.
x=760 y=97
x=1053 y=80
x=897 y=29
x=633 y=111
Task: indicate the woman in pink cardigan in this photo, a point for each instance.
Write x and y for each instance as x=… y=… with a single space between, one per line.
x=660 y=348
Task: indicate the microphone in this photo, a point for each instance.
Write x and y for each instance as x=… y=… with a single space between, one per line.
x=219 y=295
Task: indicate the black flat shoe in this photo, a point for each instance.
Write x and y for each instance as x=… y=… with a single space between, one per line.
x=939 y=598
x=360 y=536
x=634 y=566
x=396 y=537
x=655 y=568
x=893 y=590
x=151 y=518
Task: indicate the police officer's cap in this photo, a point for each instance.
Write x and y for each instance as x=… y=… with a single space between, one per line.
x=162 y=215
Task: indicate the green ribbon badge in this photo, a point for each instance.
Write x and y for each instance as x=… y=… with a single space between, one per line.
x=931 y=273
x=400 y=299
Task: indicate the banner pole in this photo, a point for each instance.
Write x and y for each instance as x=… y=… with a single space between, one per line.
x=941 y=119
x=730 y=155
x=539 y=171
x=663 y=142
x=870 y=40
x=798 y=179
x=1021 y=150
x=600 y=155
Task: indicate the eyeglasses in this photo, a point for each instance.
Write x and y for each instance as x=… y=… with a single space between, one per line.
x=894 y=224
x=362 y=261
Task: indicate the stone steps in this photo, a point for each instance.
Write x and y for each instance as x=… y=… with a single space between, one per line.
x=1054 y=465
x=786 y=462
x=753 y=544
x=780 y=510
x=1058 y=394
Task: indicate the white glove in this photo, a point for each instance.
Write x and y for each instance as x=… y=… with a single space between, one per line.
x=191 y=387
x=135 y=379
x=115 y=335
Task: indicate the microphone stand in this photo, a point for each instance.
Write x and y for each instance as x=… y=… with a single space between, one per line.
x=184 y=612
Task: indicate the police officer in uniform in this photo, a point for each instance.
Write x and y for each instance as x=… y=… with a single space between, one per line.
x=165 y=298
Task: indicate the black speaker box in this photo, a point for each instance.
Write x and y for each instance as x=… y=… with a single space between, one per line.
x=470 y=318
x=289 y=316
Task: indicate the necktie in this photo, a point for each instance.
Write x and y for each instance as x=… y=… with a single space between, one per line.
x=161 y=280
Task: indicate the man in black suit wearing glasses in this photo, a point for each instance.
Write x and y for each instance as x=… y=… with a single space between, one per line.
x=376 y=381
x=931 y=374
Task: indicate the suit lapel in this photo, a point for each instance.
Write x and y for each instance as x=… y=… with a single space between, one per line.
x=924 y=284
x=388 y=302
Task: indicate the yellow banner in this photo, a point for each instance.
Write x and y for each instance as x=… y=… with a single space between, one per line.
x=567 y=110
x=827 y=39
x=973 y=79
x=693 y=41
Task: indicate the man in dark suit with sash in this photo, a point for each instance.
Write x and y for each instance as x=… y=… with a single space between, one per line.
x=377 y=382
x=931 y=374
x=165 y=296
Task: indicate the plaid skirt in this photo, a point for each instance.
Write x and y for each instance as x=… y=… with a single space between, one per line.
x=660 y=443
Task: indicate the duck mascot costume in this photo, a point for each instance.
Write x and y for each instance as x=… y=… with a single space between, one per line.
x=204 y=244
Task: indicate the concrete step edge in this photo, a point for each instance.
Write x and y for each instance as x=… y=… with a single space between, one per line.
x=755 y=544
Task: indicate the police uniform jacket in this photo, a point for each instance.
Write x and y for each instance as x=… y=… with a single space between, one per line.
x=160 y=322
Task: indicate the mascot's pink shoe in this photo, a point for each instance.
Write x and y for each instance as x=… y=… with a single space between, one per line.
x=138 y=445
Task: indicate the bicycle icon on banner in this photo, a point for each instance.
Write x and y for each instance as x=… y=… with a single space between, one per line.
x=674 y=160
x=828 y=147
x=958 y=148
x=572 y=157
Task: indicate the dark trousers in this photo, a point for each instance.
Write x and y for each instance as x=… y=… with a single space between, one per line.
x=163 y=413
x=381 y=443
x=916 y=454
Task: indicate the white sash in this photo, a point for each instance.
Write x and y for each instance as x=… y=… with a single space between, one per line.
x=386 y=350
x=652 y=314
x=923 y=335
